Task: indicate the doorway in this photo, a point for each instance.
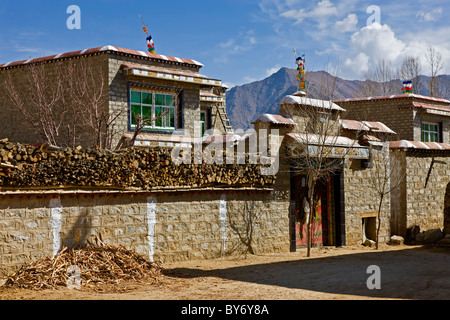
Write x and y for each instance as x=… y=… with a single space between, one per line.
x=328 y=225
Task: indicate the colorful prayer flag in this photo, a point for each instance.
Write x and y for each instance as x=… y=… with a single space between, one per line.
x=300 y=62
x=407 y=87
x=150 y=44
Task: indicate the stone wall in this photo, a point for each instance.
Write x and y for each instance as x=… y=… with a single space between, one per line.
x=361 y=202
x=162 y=226
x=16 y=127
x=406 y=122
x=385 y=111
x=119 y=95
x=425 y=199
x=421 y=198
x=109 y=67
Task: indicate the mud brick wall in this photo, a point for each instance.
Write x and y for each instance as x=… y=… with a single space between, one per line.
x=361 y=200
x=109 y=65
x=385 y=111
x=425 y=190
x=406 y=122
x=118 y=85
x=162 y=226
x=12 y=123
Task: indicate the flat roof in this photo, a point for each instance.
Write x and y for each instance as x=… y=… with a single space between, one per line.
x=299 y=100
x=104 y=49
x=396 y=96
x=419 y=145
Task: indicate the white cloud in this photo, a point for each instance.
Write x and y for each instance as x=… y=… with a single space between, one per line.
x=373 y=43
x=248 y=79
x=357 y=65
x=378 y=41
x=320 y=13
x=324 y=9
x=272 y=70
x=348 y=24
x=370 y=45
x=245 y=41
x=297 y=15
x=433 y=15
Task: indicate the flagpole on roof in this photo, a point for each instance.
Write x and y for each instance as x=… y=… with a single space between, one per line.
x=300 y=62
x=150 y=44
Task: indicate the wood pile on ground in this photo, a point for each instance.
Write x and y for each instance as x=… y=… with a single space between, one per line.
x=44 y=166
x=97 y=267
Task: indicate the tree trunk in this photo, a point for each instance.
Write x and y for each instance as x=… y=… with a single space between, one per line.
x=309 y=220
x=379 y=221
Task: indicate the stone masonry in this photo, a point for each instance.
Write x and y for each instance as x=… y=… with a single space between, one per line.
x=398 y=113
x=162 y=226
x=421 y=197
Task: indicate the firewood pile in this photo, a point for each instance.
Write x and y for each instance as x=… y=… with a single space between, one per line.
x=44 y=166
x=99 y=267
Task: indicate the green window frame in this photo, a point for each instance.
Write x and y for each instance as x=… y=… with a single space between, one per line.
x=156 y=108
x=430 y=132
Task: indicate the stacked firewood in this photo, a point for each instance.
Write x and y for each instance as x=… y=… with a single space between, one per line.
x=44 y=166
x=96 y=267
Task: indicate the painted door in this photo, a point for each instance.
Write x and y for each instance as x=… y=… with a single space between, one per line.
x=322 y=215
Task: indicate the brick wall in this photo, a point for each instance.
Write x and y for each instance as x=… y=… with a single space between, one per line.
x=12 y=122
x=406 y=122
x=164 y=226
x=119 y=95
x=385 y=111
x=425 y=200
x=362 y=200
x=420 y=199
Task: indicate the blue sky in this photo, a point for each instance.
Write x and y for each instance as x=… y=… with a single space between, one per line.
x=238 y=41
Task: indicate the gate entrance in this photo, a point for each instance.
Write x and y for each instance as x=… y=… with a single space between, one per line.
x=325 y=231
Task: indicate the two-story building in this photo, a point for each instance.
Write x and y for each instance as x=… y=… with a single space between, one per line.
x=413 y=117
x=420 y=151
x=169 y=92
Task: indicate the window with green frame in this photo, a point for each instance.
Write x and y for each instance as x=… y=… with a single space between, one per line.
x=156 y=109
x=430 y=132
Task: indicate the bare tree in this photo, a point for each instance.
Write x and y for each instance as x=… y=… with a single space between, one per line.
x=410 y=70
x=313 y=154
x=384 y=74
x=39 y=103
x=384 y=179
x=328 y=83
x=435 y=65
x=64 y=108
x=369 y=87
x=87 y=92
x=380 y=80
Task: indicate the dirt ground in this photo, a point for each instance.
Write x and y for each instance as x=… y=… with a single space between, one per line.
x=407 y=272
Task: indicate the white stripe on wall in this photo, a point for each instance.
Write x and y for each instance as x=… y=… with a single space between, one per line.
x=223 y=221
x=56 y=223
x=151 y=221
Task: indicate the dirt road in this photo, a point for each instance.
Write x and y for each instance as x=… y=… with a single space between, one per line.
x=407 y=272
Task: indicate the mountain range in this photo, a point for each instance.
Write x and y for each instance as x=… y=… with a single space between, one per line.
x=247 y=102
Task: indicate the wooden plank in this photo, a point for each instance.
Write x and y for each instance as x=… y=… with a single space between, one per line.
x=368 y=215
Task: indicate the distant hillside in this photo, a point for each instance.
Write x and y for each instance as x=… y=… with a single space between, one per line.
x=245 y=103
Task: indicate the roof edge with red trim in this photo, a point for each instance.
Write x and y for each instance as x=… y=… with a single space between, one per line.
x=397 y=96
x=104 y=49
x=419 y=145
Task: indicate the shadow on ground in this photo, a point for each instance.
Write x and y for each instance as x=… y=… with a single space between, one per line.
x=410 y=273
